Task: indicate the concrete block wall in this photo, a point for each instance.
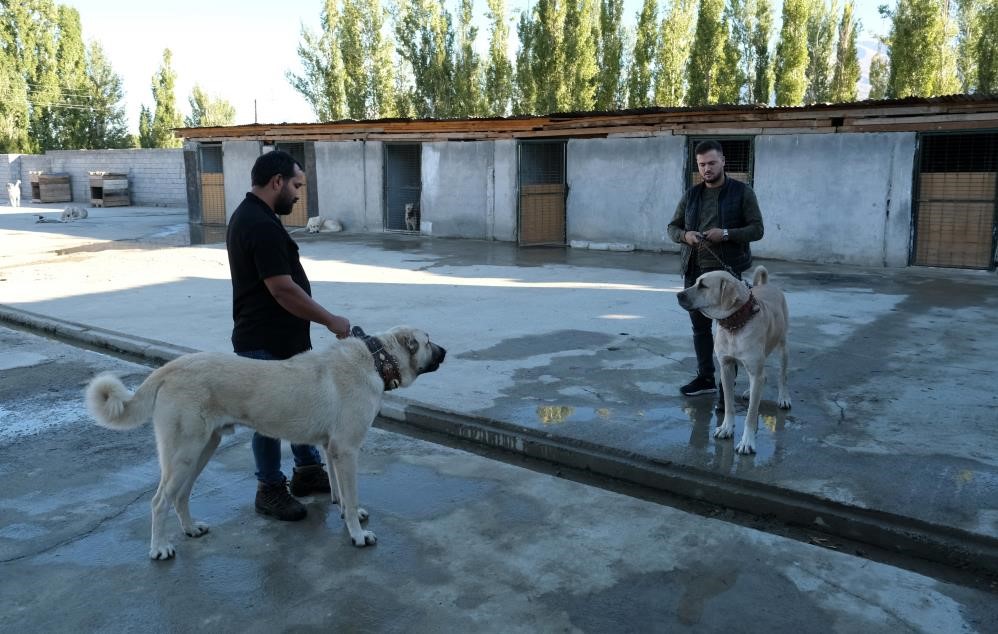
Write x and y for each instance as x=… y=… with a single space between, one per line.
x=155 y=176
x=457 y=186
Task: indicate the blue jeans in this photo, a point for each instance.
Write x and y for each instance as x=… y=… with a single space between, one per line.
x=267 y=450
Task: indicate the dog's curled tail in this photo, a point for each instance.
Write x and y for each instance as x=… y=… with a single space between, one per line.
x=761 y=276
x=114 y=407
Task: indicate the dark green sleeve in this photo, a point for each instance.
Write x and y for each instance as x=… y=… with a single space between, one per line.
x=677 y=228
x=753 y=228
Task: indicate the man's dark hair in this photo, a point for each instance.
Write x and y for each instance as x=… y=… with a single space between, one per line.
x=270 y=164
x=706 y=146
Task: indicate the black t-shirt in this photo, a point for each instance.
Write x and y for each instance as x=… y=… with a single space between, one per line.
x=259 y=247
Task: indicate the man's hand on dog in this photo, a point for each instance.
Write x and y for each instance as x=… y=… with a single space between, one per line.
x=339 y=326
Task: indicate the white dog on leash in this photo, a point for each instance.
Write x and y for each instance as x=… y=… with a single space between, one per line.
x=14 y=193
x=751 y=323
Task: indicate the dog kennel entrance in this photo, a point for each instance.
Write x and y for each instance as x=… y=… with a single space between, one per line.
x=299 y=213
x=403 y=185
x=737 y=158
x=212 y=184
x=542 y=187
x=956 y=206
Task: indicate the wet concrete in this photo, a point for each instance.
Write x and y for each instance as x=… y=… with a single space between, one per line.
x=891 y=370
x=465 y=543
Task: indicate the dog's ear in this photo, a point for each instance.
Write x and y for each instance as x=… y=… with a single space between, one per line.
x=410 y=343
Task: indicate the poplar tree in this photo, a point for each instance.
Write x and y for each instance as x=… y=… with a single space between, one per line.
x=880 y=69
x=739 y=53
x=13 y=106
x=161 y=121
x=702 y=66
x=968 y=20
x=730 y=76
x=208 y=111
x=107 y=125
x=845 y=77
x=425 y=36
x=639 y=79
x=673 y=53
x=322 y=83
x=762 y=79
x=791 y=54
x=580 y=42
x=467 y=67
x=987 y=51
x=352 y=51
x=379 y=63
x=499 y=70
x=917 y=45
x=69 y=120
x=820 y=46
x=610 y=56
x=524 y=90
x=548 y=56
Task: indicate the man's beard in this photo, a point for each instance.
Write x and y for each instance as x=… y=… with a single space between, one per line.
x=283 y=206
x=716 y=178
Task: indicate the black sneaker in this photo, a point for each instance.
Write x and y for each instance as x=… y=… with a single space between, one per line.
x=309 y=480
x=699 y=385
x=275 y=501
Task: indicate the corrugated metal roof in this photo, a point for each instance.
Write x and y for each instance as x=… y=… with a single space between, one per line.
x=915 y=113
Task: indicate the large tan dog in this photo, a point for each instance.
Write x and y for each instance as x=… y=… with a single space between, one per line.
x=327 y=398
x=750 y=325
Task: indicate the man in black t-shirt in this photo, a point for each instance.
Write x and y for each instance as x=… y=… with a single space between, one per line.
x=272 y=310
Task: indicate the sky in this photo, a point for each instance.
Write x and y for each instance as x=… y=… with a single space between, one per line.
x=241 y=50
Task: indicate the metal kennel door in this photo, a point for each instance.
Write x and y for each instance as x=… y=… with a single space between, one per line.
x=541 y=178
x=403 y=182
x=956 y=217
x=299 y=213
x=212 y=185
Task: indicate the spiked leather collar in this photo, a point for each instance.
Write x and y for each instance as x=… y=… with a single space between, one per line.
x=738 y=319
x=386 y=364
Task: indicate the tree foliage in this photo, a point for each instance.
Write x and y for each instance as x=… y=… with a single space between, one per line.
x=610 y=56
x=845 y=77
x=762 y=30
x=156 y=125
x=790 y=76
x=821 y=31
x=580 y=42
x=674 y=49
x=916 y=45
x=321 y=84
x=498 y=70
x=702 y=65
x=880 y=70
x=639 y=80
x=987 y=51
x=208 y=111
x=106 y=125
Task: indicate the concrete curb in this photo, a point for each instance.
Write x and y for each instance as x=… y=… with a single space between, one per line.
x=888 y=531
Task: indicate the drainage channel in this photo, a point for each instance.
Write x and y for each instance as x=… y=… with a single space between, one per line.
x=939 y=552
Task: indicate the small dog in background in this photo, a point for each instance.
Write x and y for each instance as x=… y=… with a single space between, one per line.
x=322 y=224
x=14 y=193
x=75 y=212
x=411 y=217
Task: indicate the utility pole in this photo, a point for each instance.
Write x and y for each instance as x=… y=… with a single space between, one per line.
x=254 y=112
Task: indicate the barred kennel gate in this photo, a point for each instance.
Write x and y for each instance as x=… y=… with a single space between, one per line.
x=212 y=185
x=956 y=204
x=403 y=182
x=737 y=152
x=543 y=191
x=299 y=213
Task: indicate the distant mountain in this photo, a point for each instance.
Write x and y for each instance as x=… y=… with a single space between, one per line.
x=866 y=48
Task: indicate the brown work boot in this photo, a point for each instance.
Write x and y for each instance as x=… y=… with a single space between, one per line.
x=309 y=480
x=275 y=501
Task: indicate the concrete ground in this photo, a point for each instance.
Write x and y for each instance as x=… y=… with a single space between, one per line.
x=576 y=356
x=466 y=544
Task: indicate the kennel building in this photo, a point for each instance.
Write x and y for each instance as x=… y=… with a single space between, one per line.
x=888 y=183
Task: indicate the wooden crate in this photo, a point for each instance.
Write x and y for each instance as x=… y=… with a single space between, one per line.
x=53 y=188
x=109 y=190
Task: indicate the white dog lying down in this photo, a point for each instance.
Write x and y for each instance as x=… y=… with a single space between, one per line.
x=750 y=325
x=327 y=398
x=14 y=193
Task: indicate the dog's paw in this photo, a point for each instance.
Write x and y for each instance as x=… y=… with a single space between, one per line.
x=784 y=402
x=366 y=538
x=162 y=553
x=745 y=447
x=198 y=530
x=724 y=431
